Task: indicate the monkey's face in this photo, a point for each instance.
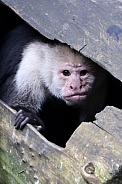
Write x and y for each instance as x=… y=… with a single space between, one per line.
x=74 y=83
x=77 y=81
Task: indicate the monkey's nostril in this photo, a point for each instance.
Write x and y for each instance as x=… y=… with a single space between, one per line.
x=80 y=86
x=75 y=87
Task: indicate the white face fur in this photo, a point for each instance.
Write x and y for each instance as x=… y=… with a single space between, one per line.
x=64 y=72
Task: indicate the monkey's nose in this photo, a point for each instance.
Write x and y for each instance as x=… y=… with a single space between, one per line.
x=75 y=87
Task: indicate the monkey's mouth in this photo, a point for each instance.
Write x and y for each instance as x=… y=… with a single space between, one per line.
x=75 y=97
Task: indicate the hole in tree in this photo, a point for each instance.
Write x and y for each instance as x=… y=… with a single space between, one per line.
x=61 y=122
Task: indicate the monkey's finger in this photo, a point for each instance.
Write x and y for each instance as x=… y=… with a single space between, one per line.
x=19 y=117
x=38 y=128
x=18 y=113
x=23 y=124
x=18 y=121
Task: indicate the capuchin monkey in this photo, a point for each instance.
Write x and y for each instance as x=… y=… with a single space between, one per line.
x=52 y=87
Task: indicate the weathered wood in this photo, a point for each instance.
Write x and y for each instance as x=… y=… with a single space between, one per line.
x=27 y=157
x=95 y=24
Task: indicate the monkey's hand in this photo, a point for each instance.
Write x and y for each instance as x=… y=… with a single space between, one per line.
x=24 y=117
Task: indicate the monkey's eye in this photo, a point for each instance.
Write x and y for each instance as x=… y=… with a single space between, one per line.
x=83 y=72
x=66 y=73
